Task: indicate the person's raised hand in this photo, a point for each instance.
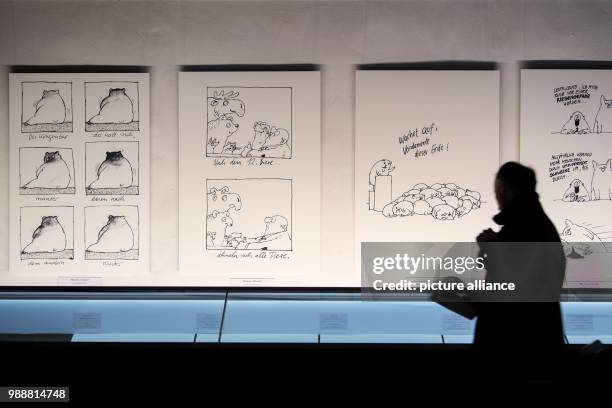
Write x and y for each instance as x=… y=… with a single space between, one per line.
x=486 y=235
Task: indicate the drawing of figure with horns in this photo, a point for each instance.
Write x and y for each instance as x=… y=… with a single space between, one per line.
x=224 y=103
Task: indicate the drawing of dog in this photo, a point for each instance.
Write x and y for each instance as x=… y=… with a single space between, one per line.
x=603 y=118
x=601 y=183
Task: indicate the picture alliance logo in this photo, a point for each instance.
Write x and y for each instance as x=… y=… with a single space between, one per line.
x=412 y=264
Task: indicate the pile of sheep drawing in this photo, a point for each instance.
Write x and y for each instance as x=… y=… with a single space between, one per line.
x=443 y=201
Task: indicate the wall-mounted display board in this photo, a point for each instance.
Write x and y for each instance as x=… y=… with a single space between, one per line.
x=427 y=149
x=249 y=205
x=566 y=136
x=79 y=180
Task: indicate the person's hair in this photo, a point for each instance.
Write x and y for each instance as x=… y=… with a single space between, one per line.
x=519 y=178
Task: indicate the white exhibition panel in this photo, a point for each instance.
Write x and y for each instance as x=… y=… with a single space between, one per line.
x=427 y=149
x=249 y=180
x=79 y=186
x=566 y=136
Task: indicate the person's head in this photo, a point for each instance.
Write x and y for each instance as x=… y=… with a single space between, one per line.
x=513 y=179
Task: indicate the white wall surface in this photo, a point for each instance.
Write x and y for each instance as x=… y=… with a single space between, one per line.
x=335 y=34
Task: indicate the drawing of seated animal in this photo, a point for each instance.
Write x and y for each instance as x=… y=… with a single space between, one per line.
x=116 y=236
x=117 y=107
x=50 y=108
x=221 y=200
x=219 y=132
x=274 y=238
x=603 y=118
x=49 y=236
x=576 y=124
x=114 y=172
x=224 y=103
x=580 y=241
x=53 y=173
x=576 y=192
x=601 y=183
x=216 y=229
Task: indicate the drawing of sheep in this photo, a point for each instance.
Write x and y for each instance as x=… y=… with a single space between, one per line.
x=440 y=201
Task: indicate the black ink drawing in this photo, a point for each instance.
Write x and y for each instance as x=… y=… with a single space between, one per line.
x=111 y=233
x=576 y=192
x=111 y=168
x=111 y=106
x=600 y=185
x=249 y=122
x=216 y=232
x=603 y=118
x=46 y=171
x=223 y=103
x=268 y=141
x=46 y=107
x=442 y=201
x=580 y=240
x=219 y=132
x=380 y=193
x=578 y=123
x=221 y=200
x=47 y=233
x=262 y=221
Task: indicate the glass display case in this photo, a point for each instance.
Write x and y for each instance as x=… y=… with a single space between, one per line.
x=243 y=316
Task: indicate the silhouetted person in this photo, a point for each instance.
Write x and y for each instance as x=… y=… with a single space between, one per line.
x=525 y=326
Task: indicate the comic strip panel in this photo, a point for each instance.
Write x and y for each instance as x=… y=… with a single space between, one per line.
x=111 y=106
x=46 y=107
x=111 y=232
x=111 y=168
x=47 y=232
x=249 y=122
x=249 y=214
x=46 y=171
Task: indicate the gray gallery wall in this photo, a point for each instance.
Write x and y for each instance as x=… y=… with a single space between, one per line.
x=335 y=34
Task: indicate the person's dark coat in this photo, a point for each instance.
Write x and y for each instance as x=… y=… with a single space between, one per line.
x=536 y=263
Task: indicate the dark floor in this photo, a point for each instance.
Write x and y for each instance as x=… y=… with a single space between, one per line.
x=103 y=372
